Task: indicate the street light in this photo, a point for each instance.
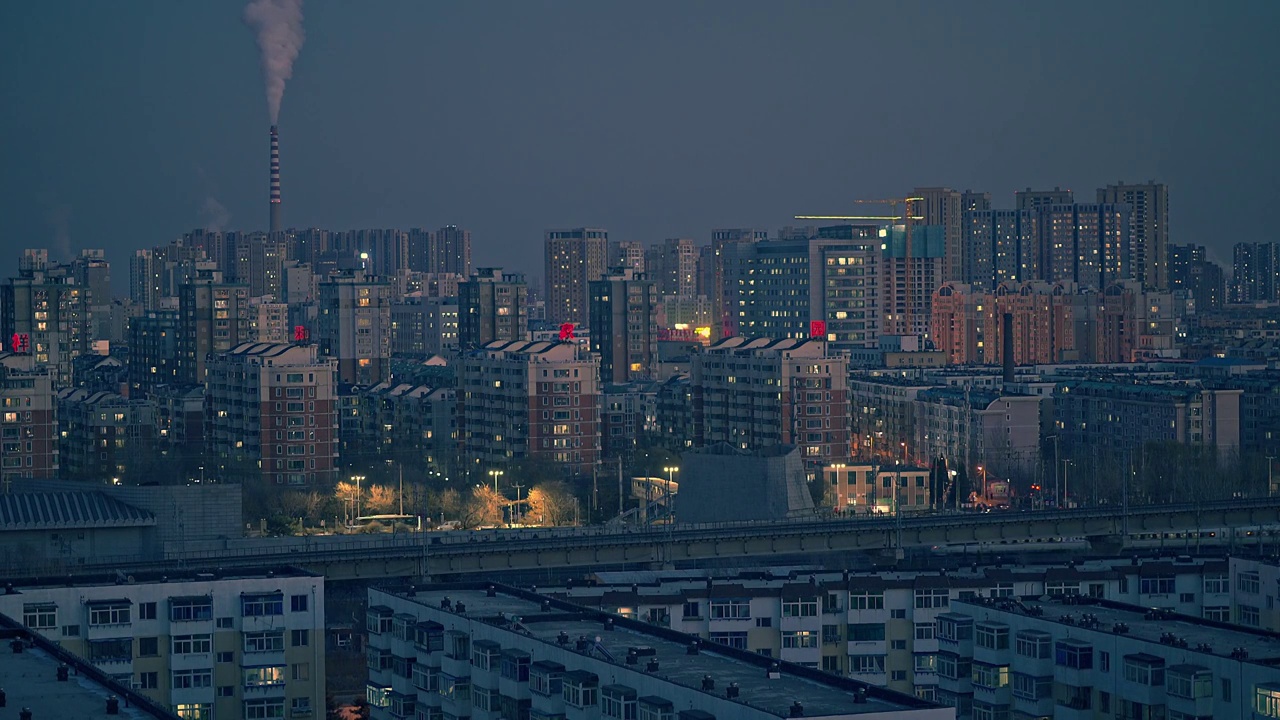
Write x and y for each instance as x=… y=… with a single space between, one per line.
x=495 y=474
x=670 y=470
x=837 y=467
x=358 y=479
x=982 y=469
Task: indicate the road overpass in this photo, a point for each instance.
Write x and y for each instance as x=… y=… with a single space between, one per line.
x=1235 y=523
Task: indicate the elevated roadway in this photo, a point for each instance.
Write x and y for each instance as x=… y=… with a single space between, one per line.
x=494 y=552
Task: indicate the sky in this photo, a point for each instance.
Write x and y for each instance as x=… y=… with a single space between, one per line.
x=125 y=124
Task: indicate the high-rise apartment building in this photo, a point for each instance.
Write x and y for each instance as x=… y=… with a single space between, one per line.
x=574 y=257
x=275 y=405
x=531 y=400
x=103 y=433
x=1000 y=246
x=28 y=419
x=424 y=325
x=450 y=251
x=153 y=351
x=762 y=393
x=626 y=254
x=492 y=305
x=624 y=315
x=673 y=267
x=819 y=282
x=244 y=644
x=213 y=317
x=1191 y=271
x=721 y=289
x=1031 y=199
x=47 y=312
x=1255 y=272
x=1148 y=203
x=907 y=284
x=943 y=207
x=354 y=326
x=1085 y=244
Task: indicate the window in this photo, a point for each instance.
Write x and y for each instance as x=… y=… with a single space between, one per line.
x=1072 y=654
x=1062 y=588
x=898 y=613
x=300 y=638
x=201 y=678
x=149 y=680
x=732 y=639
x=801 y=607
x=147 y=611
x=1266 y=700
x=226 y=656
x=194 y=711
x=40 y=616
x=515 y=666
x=899 y=675
x=189 y=644
x=932 y=598
x=792 y=639
x=955 y=629
x=109 y=614
x=1248 y=615
x=301 y=707
x=953 y=667
x=189 y=609
x=301 y=671
x=898 y=645
x=1247 y=582
x=692 y=610
x=1030 y=687
x=109 y=651
x=377 y=659
x=926 y=631
x=618 y=703
x=264 y=709
x=297 y=603
x=866 y=600
x=990 y=676
x=484 y=698
x=866 y=664
x=225 y=623
x=582 y=691
x=1157 y=585
x=1190 y=685
x=261 y=605
x=71 y=630
x=992 y=636
x=265 y=676
x=1216 y=585
x=269 y=641
x=1032 y=644
x=1220 y=613
x=1144 y=670
x=926 y=662
x=1072 y=696
x=866 y=632
x=764 y=622
x=730 y=609
x=425 y=678
x=148 y=647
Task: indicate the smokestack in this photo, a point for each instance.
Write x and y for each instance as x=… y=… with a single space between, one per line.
x=1007 y=345
x=275 y=180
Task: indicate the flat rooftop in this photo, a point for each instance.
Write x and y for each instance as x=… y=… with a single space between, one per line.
x=30 y=680
x=821 y=694
x=1202 y=636
x=143 y=578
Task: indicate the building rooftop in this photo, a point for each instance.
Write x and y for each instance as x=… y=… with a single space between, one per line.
x=17 y=585
x=30 y=680
x=1156 y=626
x=590 y=633
x=69 y=509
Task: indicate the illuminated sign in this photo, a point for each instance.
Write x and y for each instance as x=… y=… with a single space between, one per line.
x=20 y=342
x=299 y=333
x=818 y=329
x=566 y=331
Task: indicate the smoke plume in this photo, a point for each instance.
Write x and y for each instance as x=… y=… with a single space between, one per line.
x=278 y=26
x=213 y=215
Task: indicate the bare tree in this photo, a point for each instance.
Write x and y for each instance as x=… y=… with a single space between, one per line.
x=551 y=503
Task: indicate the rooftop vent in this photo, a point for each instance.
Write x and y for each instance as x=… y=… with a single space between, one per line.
x=732 y=691
x=708 y=683
x=797 y=709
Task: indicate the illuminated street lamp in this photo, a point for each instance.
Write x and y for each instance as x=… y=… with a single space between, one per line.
x=495 y=474
x=670 y=470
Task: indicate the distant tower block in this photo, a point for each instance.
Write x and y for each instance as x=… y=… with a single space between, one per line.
x=275 y=180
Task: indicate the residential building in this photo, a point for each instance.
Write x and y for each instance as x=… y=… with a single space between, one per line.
x=1097 y=416
x=407 y=419
x=1032 y=199
x=628 y=414
x=424 y=325
x=449 y=251
x=626 y=254
x=1086 y=244
x=47 y=671
x=153 y=351
x=907 y=283
x=1191 y=271
x=29 y=446
x=102 y=433
x=218 y=645
x=624 y=325
x=275 y=405
x=270 y=321
x=564 y=660
x=673 y=266
x=1064 y=656
x=46 y=312
x=574 y=257
x=492 y=305
x=942 y=207
x=531 y=399
x=1148 y=205
x=819 y=282
x=354 y=326
x=1255 y=272
x=761 y=393
x=722 y=289
x=213 y=317
x=855 y=489
x=1000 y=246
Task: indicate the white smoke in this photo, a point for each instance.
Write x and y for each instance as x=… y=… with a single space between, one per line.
x=213 y=215
x=278 y=26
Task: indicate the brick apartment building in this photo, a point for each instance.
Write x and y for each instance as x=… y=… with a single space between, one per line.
x=28 y=419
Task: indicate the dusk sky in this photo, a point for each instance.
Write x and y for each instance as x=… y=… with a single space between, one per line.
x=124 y=124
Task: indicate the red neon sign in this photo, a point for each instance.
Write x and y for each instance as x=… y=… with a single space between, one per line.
x=818 y=328
x=566 y=331
x=20 y=342
x=299 y=333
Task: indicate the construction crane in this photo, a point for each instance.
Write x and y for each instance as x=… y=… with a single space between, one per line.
x=907 y=218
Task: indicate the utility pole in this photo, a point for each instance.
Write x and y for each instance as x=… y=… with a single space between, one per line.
x=1064 y=482
x=620 y=496
x=515 y=509
x=1271 y=483
x=1057 y=458
x=401 y=467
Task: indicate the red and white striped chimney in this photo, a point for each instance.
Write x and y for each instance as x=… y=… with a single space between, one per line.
x=275 y=180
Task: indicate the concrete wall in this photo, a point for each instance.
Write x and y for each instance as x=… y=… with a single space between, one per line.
x=721 y=484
